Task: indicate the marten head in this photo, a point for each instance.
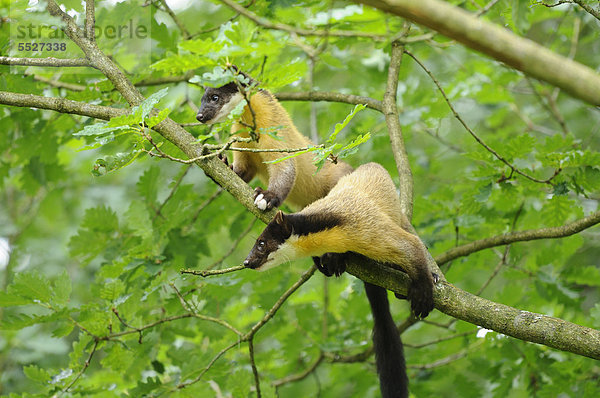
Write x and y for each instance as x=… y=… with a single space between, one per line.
x=217 y=103
x=273 y=246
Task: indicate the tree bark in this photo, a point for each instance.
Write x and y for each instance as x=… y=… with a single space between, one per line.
x=499 y=43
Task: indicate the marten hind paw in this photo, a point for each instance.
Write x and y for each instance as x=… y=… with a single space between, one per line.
x=421 y=299
x=265 y=200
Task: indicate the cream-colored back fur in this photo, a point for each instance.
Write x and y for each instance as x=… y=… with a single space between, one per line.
x=308 y=186
x=367 y=203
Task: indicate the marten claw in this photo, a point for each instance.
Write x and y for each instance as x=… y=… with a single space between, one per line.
x=421 y=299
x=332 y=264
x=223 y=159
x=265 y=200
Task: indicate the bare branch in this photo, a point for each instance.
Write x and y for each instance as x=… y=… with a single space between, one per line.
x=184 y=31
x=208 y=201
x=330 y=97
x=271 y=313
x=86 y=364
x=390 y=110
x=265 y=23
x=253 y=365
x=61 y=105
x=301 y=375
x=210 y=364
x=90 y=20
x=440 y=340
x=49 y=61
x=520 y=236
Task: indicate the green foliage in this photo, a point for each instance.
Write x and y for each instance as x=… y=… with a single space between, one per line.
x=91 y=298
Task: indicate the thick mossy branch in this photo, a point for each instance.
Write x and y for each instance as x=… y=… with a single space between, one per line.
x=523 y=325
x=499 y=43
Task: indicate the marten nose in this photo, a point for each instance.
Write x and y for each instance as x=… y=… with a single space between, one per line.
x=246 y=263
x=200 y=117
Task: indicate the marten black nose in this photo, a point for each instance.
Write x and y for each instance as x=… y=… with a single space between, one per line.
x=246 y=263
x=200 y=117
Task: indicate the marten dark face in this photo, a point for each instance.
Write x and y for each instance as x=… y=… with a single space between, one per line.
x=271 y=248
x=217 y=103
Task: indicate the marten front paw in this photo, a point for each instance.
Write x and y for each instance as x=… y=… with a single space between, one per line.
x=265 y=200
x=223 y=159
x=333 y=263
x=320 y=267
x=421 y=298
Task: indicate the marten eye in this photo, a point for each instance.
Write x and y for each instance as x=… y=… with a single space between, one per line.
x=214 y=98
x=261 y=245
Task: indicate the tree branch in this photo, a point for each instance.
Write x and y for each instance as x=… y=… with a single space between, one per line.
x=390 y=110
x=90 y=20
x=170 y=130
x=330 y=97
x=61 y=105
x=523 y=325
x=523 y=54
x=520 y=236
x=49 y=61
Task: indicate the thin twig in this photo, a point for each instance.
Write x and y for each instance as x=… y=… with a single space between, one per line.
x=208 y=201
x=477 y=138
x=210 y=364
x=180 y=26
x=440 y=340
x=301 y=375
x=86 y=364
x=204 y=273
x=233 y=246
x=177 y=183
x=253 y=365
x=265 y=23
x=271 y=313
x=486 y=8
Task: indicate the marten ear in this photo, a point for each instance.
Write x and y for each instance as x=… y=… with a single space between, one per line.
x=279 y=218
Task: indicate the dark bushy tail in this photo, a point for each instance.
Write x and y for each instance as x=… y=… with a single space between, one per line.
x=389 y=353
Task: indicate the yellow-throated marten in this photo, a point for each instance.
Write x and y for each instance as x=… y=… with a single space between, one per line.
x=294 y=180
x=361 y=214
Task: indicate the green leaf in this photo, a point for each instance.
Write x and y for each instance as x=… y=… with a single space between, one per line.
x=99 y=129
x=112 y=290
x=9 y=300
x=340 y=126
x=147 y=186
x=114 y=162
x=33 y=286
x=36 y=374
x=352 y=147
x=147 y=105
x=61 y=289
x=154 y=120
